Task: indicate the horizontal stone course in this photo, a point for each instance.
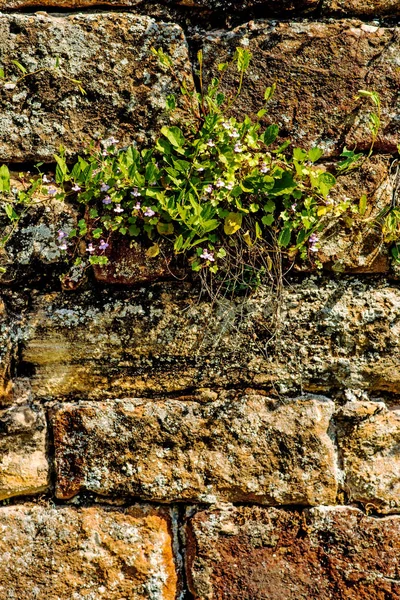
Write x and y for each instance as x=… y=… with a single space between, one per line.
x=235 y=449
x=318 y=68
x=161 y=339
x=93 y=553
x=110 y=53
x=326 y=553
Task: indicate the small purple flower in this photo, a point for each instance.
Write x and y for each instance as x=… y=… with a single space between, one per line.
x=104 y=153
x=220 y=183
x=210 y=144
x=294 y=206
x=208 y=189
x=118 y=209
x=106 y=200
x=153 y=183
x=90 y=248
x=313 y=239
x=45 y=179
x=63 y=246
x=207 y=255
x=61 y=234
x=234 y=134
x=226 y=125
x=137 y=206
x=229 y=186
x=264 y=169
x=104 y=187
x=51 y=191
x=135 y=193
x=238 y=148
x=103 y=245
x=148 y=212
x=111 y=141
x=76 y=188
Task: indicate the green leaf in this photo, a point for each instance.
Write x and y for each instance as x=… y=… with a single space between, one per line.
x=269 y=92
x=19 y=66
x=171 y=102
x=165 y=228
x=178 y=243
x=269 y=207
x=315 y=154
x=299 y=154
x=362 y=205
x=254 y=207
x=1 y=73
x=61 y=169
x=4 y=179
x=232 y=223
x=174 y=135
x=267 y=220
x=325 y=182
x=270 y=134
x=284 y=185
x=285 y=236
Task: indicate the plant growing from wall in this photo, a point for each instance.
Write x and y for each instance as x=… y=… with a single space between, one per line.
x=222 y=191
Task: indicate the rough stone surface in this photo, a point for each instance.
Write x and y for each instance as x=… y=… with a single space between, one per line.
x=23 y=463
x=129 y=265
x=370 y=8
x=355 y=244
x=369 y=442
x=272 y=6
x=330 y=553
x=333 y=335
x=236 y=449
x=319 y=68
x=91 y=553
x=110 y=53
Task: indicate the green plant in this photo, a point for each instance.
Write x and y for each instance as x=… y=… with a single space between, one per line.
x=222 y=191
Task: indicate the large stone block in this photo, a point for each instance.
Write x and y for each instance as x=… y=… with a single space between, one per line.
x=236 y=449
x=318 y=68
x=332 y=335
x=253 y=553
x=23 y=455
x=91 y=553
x=110 y=53
x=369 y=442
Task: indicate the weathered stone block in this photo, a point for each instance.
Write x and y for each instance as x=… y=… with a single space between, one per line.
x=255 y=553
x=369 y=442
x=333 y=335
x=272 y=6
x=239 y=449
x=94 y=553
x=370 y=8
x=23 y=462
x=318 y=68
x=110 y=53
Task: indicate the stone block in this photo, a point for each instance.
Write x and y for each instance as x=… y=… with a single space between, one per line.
x=326 y=553
x=236 y=449
x=369 y=442
x=318 y=68
x=23 y=454
x=110 y=53
x=94 y=553
x=364 y=8
x=333 y=335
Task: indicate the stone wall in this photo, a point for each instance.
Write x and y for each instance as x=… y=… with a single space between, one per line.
x=154 y=446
